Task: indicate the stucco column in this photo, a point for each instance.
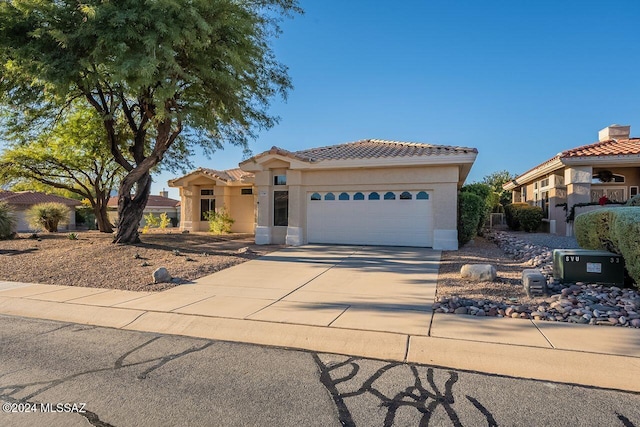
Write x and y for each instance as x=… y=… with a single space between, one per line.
x=578 y=182
x=264 y=208
x=445 y=217
x=186 y=208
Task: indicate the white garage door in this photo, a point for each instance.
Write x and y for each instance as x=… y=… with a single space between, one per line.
x=393 y=218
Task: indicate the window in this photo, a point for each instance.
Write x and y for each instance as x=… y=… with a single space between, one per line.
x=206 y=192
x=422 y=196
x=280 y=180
x=544 y=203
x=633 y=191
x=206 y=205
x=246 y=191
x=405 y=195
x=316 y=196
x=280 y=208
x=343 y=196
x=374 y=196
x=389 y=195
x=329 y=196
x=358 y=196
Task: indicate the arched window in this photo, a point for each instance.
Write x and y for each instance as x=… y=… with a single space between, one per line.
x=358 y=196
x=405 y=195
x=606 y=177
x=422 y=196
x=343 y=196
x=316 y=196
x=329 y=196
x=389 y=195
x=374 y=196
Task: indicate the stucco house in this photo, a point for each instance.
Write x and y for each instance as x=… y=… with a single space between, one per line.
x=368 y=192
x=609 y=167
x=157 y=205
x=21 y=201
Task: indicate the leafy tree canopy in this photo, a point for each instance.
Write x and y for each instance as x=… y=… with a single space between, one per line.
x=158 y=66
x=70 y=159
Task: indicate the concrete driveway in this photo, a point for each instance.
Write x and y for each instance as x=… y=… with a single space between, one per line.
x=369 y=288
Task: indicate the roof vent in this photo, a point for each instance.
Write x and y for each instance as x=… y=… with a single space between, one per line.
x=614 y=132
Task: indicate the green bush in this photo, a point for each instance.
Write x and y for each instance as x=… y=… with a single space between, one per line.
x=511 y=214
x=485 y=193
x=593 y=229
x=7 y=221
x=48 y=216
x=615 y=230
x=470 y=209
x=530 y=218
x=219 y=222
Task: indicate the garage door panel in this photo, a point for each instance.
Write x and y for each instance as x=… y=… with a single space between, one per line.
x=370 y=222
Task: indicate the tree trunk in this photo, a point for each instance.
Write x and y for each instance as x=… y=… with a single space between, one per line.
x=102 y=217
x=131 y=209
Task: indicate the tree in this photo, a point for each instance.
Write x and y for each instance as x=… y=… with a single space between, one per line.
x=72 y=156
x=496 y=180
x=177 y=73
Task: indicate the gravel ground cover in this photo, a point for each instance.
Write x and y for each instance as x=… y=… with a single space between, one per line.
x=93 y=261
x=511 y=253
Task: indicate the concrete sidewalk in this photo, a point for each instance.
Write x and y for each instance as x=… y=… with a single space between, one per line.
x=370 y=302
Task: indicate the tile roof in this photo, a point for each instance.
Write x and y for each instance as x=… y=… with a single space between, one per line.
x=611 y=147
x=229 y=175
x=378 y=148
x=28 y=198
x=153 y=202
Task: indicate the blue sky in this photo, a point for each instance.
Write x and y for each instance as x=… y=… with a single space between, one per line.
x=519 y=80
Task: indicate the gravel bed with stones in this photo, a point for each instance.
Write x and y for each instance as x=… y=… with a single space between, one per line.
x=585 y=303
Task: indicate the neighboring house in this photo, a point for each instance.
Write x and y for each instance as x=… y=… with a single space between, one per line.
x=156 y=205
x=21 y=201
x=369 y=192
x=609 y=167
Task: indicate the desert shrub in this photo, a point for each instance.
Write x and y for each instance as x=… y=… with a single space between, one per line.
x=7 y=221
x=220 y=222
x=470 y=209
x=48 y=216
x=484 y=192
x=593 y=229
x=165 y=221
x=634 y=201
x=530 y=218
x=72 y=236
x=511 y=214
x=615 y=230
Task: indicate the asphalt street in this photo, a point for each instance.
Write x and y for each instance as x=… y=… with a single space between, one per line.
x=62 y=374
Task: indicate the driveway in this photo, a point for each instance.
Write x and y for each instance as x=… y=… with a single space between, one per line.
x=370 y=288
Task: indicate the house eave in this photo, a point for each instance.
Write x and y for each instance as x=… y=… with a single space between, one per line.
x=535 y=173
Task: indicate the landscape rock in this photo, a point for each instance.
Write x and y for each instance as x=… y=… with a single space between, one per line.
x=579 y=302
x=478 y=272
x=161 y=275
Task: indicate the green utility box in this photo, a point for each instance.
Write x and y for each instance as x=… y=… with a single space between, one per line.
x=583 y=265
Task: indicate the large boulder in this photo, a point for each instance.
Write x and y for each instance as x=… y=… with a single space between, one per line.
x=161 y=275
x=478 y=272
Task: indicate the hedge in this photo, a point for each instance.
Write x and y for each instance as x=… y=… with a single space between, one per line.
x=470 y=210
x=612 y=229
x=523 y=215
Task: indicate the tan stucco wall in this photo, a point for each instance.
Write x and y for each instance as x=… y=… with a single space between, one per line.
x=439 y=181
x=239 y=206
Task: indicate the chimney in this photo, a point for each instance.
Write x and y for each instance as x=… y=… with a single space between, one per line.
x=614 y=132
x=164 y=193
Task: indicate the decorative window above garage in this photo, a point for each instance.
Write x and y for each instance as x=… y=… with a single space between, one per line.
x=316 y=196
x=422 y=195
x=358 y=196
x=374 y=196
x=329 y=196
x=343 y=196
x=405 y=195
x=389 y=195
